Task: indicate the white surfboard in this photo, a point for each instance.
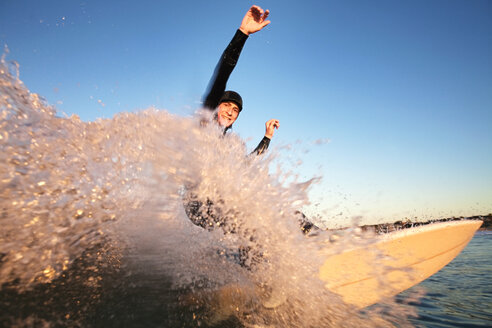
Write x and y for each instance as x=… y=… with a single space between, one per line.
x=395 y=261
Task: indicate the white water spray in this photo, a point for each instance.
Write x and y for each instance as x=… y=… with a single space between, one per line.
x=67 y=186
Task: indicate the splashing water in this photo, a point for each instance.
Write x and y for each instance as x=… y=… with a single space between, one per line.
x=94 y=227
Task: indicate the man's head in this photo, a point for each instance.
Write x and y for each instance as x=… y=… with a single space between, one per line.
x=230 y=105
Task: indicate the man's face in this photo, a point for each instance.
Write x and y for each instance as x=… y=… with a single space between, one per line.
x=227 y=113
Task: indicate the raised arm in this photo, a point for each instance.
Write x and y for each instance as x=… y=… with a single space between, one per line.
x=270 y=127
x=223 y=70
x=253 y=21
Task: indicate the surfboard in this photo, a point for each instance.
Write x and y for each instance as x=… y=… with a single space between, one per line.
x=394 y=262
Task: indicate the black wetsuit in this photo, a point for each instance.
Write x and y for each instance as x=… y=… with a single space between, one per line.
x=209 y=214
x=218 y=83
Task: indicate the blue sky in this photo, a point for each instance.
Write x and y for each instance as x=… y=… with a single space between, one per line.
x=402 y=89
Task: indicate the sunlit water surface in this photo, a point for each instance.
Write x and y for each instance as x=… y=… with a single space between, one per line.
x=460 y=295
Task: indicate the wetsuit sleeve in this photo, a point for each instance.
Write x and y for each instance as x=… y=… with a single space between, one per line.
x=223 y=70
x=262 y=146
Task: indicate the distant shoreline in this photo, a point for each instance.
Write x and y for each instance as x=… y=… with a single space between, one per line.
x=487 y=222
x=405 y=224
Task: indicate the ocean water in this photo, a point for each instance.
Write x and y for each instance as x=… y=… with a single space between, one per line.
x=460 y=295
x=94 y=231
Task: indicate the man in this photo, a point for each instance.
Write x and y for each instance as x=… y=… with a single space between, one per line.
x=228 y=104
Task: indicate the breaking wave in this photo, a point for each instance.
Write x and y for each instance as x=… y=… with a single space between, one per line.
x=94 y=229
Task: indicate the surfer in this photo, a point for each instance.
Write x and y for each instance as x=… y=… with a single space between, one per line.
x=229 y=104
x=226 y=107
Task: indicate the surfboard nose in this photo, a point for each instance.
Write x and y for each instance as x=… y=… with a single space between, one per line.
x=396 y=261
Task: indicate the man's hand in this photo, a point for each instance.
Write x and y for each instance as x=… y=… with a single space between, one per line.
x=270 y=126
x=254 y=20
